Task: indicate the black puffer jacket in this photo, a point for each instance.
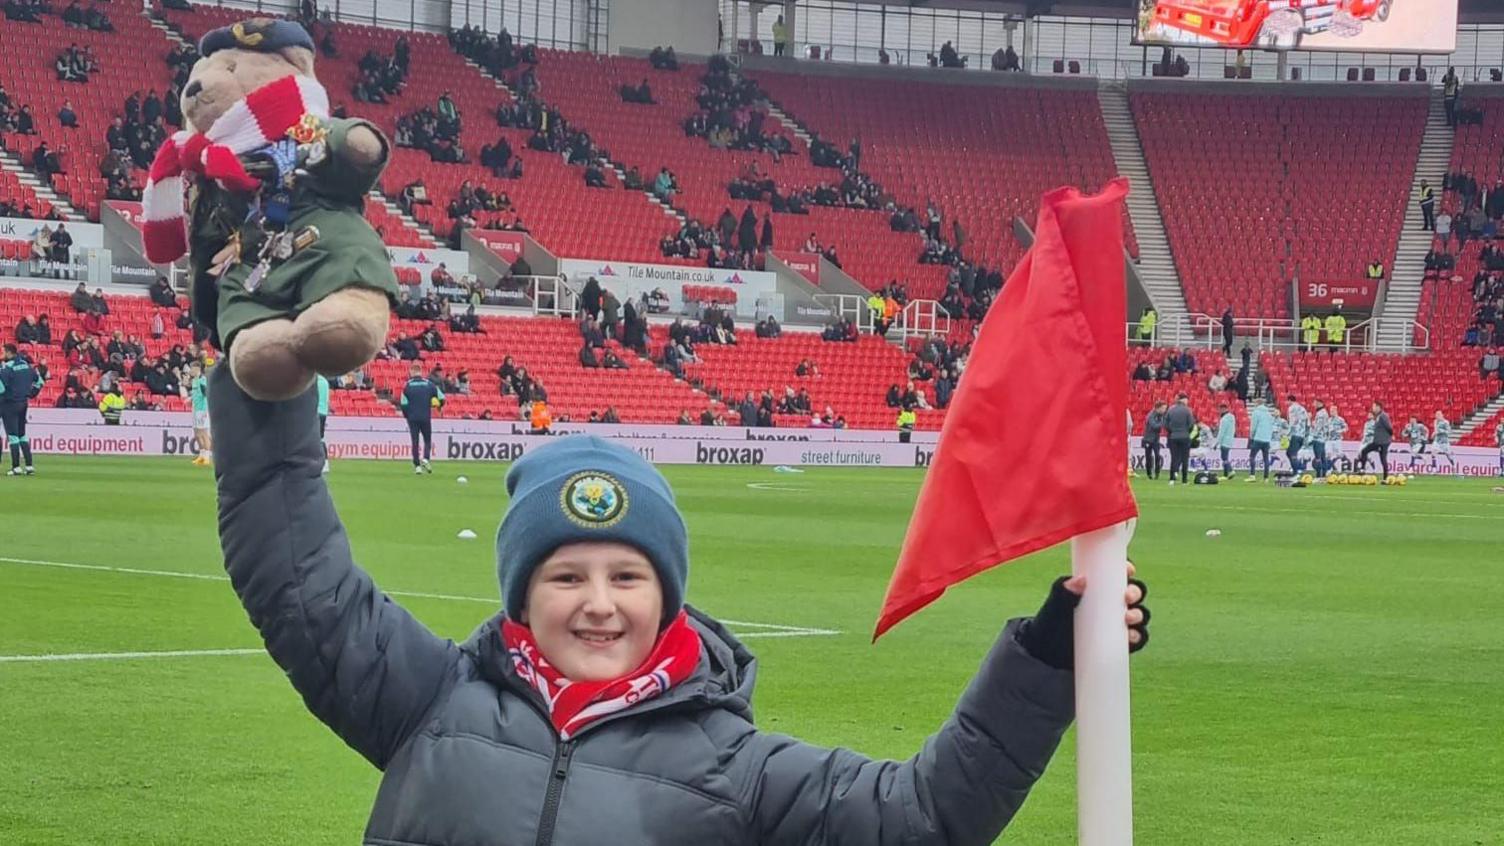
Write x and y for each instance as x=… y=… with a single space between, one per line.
x=470 y=757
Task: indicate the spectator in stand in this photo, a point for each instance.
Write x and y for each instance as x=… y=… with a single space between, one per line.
x=26 y=330
x=45 y=162
x=1185 y=362
x=769 y=328
x=157 y=329
x=1143 y=372
x=663 y=185
x=1488 y=365
x=610 y=313
x=945 y=388
x=590 y=298
x=611 y=361
x=162 y=294
x=1375 y=270
x=41 y=250
x=594 y=176
x=96 y=20
x=587 y=356
x=1444 y=230
x=24 y=123
x=1228 y=324
x=1427 y=206
x=1217 y=383
x=591 y=333
x=66 y=116
x=684 y=418
x=94 y=323
x=162 y=382
x=62 y=253
x=663 y=58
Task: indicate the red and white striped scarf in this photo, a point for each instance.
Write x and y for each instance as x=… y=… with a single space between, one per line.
x=260 y=118
x=572 y=705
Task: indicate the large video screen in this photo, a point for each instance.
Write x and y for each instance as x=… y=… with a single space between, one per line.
x=1379 y=26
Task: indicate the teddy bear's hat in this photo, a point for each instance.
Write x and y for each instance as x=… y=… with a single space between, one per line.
x=264 y=35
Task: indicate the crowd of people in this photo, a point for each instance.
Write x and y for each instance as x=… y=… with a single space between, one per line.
x=434 y=130
x=93 y=18
x=381 y=77
x=142 y=126
x=732 y=113
x=103 y=364
x=15 y=118
x=497 y=54
x=26 y=11
x=75 y=64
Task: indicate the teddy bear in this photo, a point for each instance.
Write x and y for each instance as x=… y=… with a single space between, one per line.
x=287 y=274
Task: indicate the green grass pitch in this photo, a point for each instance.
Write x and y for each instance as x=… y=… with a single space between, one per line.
x=1330 y=670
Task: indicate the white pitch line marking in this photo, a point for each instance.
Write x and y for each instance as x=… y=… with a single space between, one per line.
x=124 y=656
x=778 y=486
x=774 y=629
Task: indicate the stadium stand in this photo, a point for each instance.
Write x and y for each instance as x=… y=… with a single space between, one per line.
x=585 y=88
x=1142 y=394
x=984 y=154
x=1293 y=171
x=549 y=349
x=1407 y=385
x=14 y=192
x=132 y=58
x=853 y=376
x=1325 y=178
x=852 y=380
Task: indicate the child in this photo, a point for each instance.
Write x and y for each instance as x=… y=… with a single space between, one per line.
x=597 y=707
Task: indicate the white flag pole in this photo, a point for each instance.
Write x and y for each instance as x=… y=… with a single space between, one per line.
x=1104 y=766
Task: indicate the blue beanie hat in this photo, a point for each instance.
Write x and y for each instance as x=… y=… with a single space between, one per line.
x=580 y=489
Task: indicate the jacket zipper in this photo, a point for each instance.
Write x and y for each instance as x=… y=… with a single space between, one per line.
x=560 y=771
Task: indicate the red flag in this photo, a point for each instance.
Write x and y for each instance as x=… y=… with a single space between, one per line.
x=1034 y=450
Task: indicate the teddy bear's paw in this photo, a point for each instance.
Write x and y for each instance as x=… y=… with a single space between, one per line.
x=264 y=360
x=343 y=331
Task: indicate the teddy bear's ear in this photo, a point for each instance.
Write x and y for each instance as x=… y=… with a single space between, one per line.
x=300 y=58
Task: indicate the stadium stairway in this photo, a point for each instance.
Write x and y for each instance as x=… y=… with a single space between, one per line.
x=1156 y=265
x=415 y=228
x=1402 y=297
x=1477 y=429
x=11 y=162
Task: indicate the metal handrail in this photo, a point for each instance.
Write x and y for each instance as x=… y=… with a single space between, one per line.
x=1197 y=329
x=923 y=318
x=850 y=306
x=553 y=295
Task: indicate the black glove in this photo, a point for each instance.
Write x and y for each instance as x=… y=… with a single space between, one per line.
x=1050 y=634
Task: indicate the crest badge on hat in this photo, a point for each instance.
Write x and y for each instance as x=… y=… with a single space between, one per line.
x=593 y=500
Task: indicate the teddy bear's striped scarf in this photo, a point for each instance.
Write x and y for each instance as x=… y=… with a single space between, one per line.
x=262 y=117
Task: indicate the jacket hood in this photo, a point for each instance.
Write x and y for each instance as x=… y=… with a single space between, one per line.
x=724 y=678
